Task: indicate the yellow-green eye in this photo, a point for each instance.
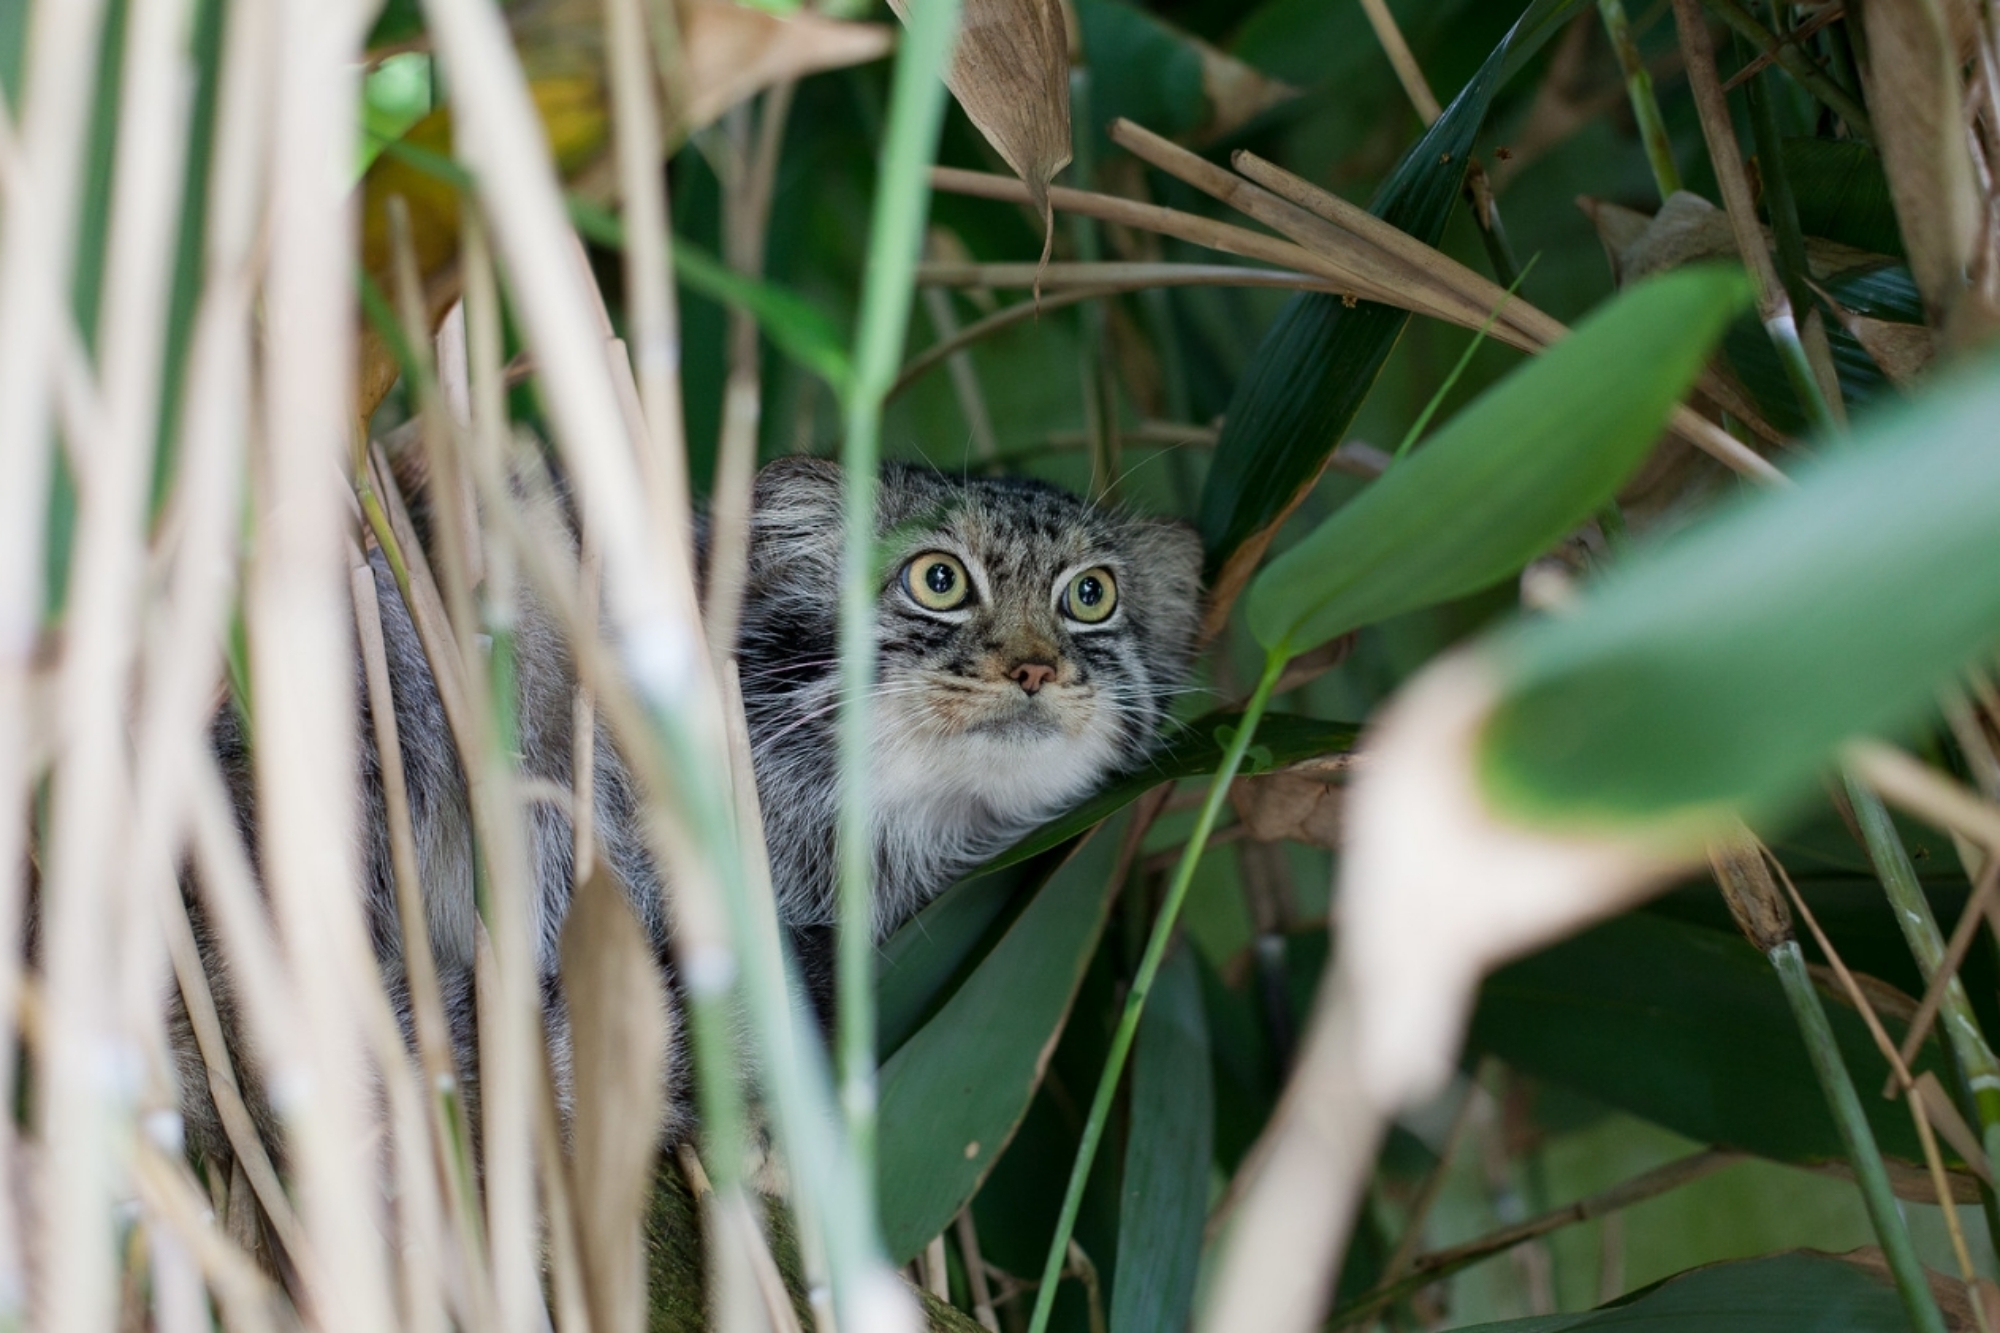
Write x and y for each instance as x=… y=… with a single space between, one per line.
x=937 y=582
x=1091 y=596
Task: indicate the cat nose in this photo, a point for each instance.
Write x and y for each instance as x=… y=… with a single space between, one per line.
x=1031 y=676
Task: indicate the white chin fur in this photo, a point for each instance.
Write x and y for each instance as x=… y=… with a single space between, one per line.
x=960 y=798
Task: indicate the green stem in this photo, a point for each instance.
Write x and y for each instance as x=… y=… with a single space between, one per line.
x=1645 y=106
x=1819 y=379
x=1978 y=1068
x=1796 y=63
x=1142 y=985
x=1862 y=1152
x=895 y=240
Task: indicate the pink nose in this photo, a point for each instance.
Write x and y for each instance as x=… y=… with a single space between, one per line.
x=1031 y=676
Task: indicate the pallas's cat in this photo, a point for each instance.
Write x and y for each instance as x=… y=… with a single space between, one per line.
x=1028 y=645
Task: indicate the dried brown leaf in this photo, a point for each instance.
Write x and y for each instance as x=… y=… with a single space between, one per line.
x=1917 y=100
x=732 y=51
x=619 y=1029
x=1237 y=93
x=1904 y=351
x=1010 y=72
x=1289 y=807
x=1688 y=229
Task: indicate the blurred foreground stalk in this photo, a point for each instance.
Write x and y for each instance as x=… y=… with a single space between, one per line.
x=1761 y=913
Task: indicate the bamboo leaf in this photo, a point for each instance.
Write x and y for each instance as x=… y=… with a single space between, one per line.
x=1512 y=473
x=1686 y=1027
x=1164 y=1201
x=1800 y=1292
x=1724 y=669
x=953 y=1094
x=1320 y=357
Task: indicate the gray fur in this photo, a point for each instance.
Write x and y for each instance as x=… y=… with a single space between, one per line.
x=966 y=760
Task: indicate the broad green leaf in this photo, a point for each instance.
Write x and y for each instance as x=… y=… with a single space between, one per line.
x=1320 y=357
x=953 y=1094
x=1530 y=459
x=1842 y=193
x=1722 y=669
x=916 y=968
x=1164 y=1198
x=1139 y=69
x=1801 y=1292
x=1689 y=1028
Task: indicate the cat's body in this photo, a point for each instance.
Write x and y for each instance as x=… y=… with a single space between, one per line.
x=1027 y=646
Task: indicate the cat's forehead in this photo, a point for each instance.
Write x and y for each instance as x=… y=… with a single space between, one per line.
x=1004 y=522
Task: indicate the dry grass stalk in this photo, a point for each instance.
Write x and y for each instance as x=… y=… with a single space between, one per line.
x=750 y=180
x=299 y=650
x=36 y=244
x=1408 y=72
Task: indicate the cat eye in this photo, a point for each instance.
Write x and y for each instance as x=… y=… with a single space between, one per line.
x=1091 y=596
x=937 y=582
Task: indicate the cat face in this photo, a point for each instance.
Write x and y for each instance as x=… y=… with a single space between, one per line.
x=1028 y=644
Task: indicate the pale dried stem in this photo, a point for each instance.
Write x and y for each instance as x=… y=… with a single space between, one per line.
x=1190 y=227
x=1774 y=305
x=1408 y=73
x=301 y=651
x=36 y=245
x=237 y=1122
x=1340 y=278
x=746 y=221
x=1902 y=780
x=975 y=1272
x=95 y=917
x=567 y=1283
x=1114 y=276
x=510 y=1033
x=432 y=1029
x=1008 y=316
x=248 y=1299
x=649 y=295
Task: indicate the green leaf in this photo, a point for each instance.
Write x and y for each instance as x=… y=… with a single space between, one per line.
x=1320 y=357
x=1801 y=1292
x=1139 y=69
x=1689 y=1028
x=919 y=964
x=1722 y=669
x=1843 y=194
x=1530 y=459
x=1164 y=1202
x=953 y=1094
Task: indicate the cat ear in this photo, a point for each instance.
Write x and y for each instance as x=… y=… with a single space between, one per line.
x=797 y=499
x=1167 y=554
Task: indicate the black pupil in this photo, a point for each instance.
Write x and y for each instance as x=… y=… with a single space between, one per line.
x=1089 y=590
x=939 y=578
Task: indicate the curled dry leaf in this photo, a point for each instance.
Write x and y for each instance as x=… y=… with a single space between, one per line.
x=619 y=1031
x=1687 y=230
x=1289 y=807
x=1010 y=73
x=1903 y=351
x=1918 y=104
x=1237 y=93
x=732 y=51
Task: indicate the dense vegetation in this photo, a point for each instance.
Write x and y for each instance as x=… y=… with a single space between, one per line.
x=1568 y=989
